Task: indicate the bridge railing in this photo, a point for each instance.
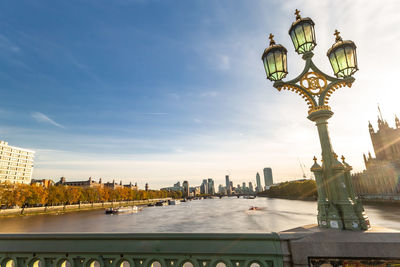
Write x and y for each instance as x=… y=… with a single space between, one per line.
x=141 y=250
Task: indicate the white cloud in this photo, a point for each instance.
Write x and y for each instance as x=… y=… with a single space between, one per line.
x=40 y=117
x=223 y=62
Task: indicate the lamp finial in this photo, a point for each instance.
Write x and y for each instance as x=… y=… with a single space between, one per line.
x=297 y=13
x=271 y=39
x=338 y=38
x=315 y=159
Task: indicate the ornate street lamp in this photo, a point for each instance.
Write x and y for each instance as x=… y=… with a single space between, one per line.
x=302 y=34
x=343 y=57
x=338 y=207
x=275 y=62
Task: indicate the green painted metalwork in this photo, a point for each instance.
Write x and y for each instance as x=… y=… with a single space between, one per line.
x=141 y=250
x=338 y=207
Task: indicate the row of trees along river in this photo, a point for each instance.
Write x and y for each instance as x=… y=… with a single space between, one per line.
x=303 y=190
x=24 y=195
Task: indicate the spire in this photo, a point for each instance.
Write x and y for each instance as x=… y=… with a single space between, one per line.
x=383 y=122
x=371 y=129
x=380 y=113
x=397 y=121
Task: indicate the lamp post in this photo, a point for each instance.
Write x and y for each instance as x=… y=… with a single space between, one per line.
x=338 y=207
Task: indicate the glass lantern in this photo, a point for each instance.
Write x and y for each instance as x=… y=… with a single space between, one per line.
x=343 y=57
x=302 y=34
x=275 y=61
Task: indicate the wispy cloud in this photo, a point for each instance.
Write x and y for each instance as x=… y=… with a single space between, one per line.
x=155 y=113
x=209 y=94
x=223 y=62
x=40 y=117
x=5 y=43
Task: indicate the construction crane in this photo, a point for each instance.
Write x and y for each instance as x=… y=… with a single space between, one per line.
x=302 y=169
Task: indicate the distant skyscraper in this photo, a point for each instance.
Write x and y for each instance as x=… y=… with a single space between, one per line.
x=211 y=188
x=258 y=188
x=228 y=185
x=221 y=189
x=268 y=177
x=185 y=188
x=204 y=187
x=251 y=187
x=244 y=186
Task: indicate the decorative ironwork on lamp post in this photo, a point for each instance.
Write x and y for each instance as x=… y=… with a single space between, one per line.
x=338 y=207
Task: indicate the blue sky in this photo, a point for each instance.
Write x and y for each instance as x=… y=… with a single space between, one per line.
x=158 y=91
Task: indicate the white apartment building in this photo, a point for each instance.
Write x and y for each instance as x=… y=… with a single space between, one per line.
x=16 y=164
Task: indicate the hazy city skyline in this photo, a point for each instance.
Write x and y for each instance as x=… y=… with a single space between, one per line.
x=128 y=91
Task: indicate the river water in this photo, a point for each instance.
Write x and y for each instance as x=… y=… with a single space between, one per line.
x=226 y=215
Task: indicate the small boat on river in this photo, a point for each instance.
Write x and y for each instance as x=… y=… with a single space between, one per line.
x=161 y=203
x=256 y=208
x=122 y=210
x=174 y=202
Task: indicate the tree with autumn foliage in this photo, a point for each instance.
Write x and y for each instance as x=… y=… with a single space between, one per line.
x=34 y=195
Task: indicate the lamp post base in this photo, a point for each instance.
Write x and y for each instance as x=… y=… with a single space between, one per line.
x=342 y=217
x=338 y=207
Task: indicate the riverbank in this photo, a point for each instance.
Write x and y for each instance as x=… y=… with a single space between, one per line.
x=364 y=200
x=61 y=209
x=291 y=198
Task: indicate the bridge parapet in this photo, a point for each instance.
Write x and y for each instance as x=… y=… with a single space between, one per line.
x=141 y=250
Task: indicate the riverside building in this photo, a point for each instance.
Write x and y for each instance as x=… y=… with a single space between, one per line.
x=258 y=179
x=381 y=176
x=185 y=186
x=16 y=164
x=268 y=177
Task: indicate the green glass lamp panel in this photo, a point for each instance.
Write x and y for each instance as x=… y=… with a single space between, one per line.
x=341 y=58
x=334 y=64
x=294 y=40
x=307 y=47
x=278 y=76
x=350 y=57
x=279 y=61
x=271 y=63
x=284 y=62
x=300 y=35
x=308 y=32
x=266 y=66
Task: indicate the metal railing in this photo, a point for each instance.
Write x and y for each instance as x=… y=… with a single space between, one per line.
x=141 y=250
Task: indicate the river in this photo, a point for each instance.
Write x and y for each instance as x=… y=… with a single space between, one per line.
x=226 y=215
